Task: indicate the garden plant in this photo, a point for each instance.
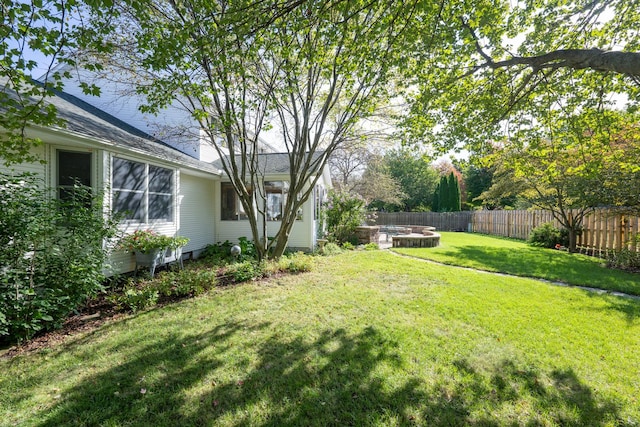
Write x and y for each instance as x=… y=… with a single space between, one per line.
x=52 y=254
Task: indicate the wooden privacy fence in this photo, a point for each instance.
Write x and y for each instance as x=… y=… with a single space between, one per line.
x=516 y=224
x=603 y=229
x=442 y=221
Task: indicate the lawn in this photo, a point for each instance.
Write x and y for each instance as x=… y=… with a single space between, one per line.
x=518 y=258
x=366 y=338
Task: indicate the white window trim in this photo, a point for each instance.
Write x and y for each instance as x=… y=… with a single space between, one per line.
x=146 y=192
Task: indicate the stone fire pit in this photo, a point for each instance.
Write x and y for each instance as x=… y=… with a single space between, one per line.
x=428 y=239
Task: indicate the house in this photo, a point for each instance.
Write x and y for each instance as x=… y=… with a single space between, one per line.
x=172 y=187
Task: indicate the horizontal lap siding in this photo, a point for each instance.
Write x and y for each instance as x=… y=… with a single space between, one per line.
x=301 y=236
x=232 y=230
x=36 y=168
x=197 y=208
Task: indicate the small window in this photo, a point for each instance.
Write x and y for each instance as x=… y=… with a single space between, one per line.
x=74 y=168
x=316 y=202
x=231 y=207
x=275 y=193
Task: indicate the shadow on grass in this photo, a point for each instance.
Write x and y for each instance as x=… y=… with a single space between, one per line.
x=335 y=379
x=559 y=396
x=629 y=307
x=546 y=264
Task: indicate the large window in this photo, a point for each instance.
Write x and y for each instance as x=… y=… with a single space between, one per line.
x=74 y=168
x=142 y=192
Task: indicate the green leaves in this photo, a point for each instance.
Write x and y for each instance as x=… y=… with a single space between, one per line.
x=312 y=70
x=53 y=31
x=580 y=164
x=51 y=252
x=496 y=68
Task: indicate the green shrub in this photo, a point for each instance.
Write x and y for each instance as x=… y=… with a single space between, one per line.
x=217 y=252
x=270 y=268
x=187 y=282
x=51 y=253
x=222 y=251
x=331 y=249
x=371 y=247
x=296 y=263
x=343 y=214
x=147 y=241
x=547 y=236
x=348 y=246
x=136 y=298
x=243 y=271
x=247 y=247
x=624 y=260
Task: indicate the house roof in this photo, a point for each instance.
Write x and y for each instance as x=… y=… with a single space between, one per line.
x=89 y=121
x=271 y=163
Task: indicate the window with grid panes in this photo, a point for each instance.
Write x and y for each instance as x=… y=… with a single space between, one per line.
x=142 y=192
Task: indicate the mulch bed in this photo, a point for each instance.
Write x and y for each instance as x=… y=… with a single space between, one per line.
x=93 y=315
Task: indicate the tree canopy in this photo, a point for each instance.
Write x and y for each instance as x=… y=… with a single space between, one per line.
x=499 y=65
x=415 y=177
x=311 y=69
x=475 y=74
x=585 y=165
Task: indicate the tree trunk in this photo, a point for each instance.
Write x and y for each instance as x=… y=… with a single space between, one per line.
x=572 y=239
x=281 y=243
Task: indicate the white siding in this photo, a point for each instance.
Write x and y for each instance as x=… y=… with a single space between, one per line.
x=231 y=230
x=301 y=237
x=35 y=168
x=197 y=201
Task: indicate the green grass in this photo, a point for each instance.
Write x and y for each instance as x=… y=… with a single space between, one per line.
x=518 y=258
x=366 y=338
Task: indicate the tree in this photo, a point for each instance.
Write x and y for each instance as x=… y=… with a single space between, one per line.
x=570 y=171
x=435 y=202
x=347 y=163
x=478 y=179
x=499 y=68
x=312 y=70
x=446 y=197
x=344 y=213
x=377 y=184
x=443 y=194
x=416 y=177
x=53 y=31
x=454 y=193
